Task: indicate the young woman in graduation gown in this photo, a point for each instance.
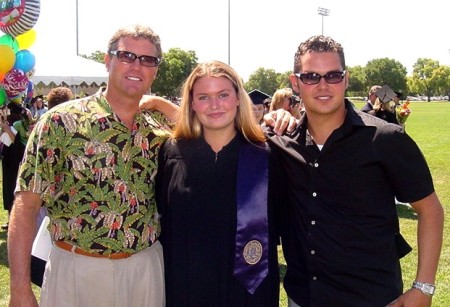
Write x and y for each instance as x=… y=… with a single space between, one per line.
x=213 y=194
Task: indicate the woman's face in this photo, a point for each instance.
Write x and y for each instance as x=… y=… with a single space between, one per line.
x=39 y=103
x=258 y=112
x=215 y=103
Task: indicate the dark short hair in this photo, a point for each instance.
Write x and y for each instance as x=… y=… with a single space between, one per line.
x=318 y=43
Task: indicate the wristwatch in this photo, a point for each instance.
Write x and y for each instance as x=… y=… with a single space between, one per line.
x=426 y=288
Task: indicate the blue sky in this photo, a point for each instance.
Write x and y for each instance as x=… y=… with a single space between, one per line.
x=263 y=33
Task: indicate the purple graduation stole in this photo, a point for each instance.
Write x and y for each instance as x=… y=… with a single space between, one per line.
x=252 y=233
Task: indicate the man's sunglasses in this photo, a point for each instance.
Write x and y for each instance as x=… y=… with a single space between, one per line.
x=130 y=57
x=331 y=77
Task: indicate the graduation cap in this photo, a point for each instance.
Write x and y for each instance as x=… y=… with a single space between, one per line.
x=399 y=95
x=36 y=98
x=385 y=93
x=258 y=97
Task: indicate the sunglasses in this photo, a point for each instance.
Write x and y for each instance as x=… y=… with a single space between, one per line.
x=129 y=58
x=332 y=77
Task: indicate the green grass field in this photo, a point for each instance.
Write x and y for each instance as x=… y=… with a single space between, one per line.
x=429 y=126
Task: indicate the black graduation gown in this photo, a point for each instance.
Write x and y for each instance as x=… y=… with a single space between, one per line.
x=196 y=192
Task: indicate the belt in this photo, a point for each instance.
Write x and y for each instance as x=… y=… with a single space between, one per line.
x=75 y=249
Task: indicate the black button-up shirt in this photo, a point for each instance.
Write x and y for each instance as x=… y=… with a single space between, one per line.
x=338 y=225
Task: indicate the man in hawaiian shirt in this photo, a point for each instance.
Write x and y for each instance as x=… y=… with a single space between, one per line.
x=91 y=163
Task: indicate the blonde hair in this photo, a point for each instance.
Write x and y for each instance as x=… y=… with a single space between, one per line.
x=278 y=98
x=188 y=126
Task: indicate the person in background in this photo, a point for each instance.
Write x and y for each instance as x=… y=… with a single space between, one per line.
x=33 y=105
x=257 y=97
x=285 y=99
x=92 y=162
x=385 y=111
x=214 y=196
x=371 y=97
x=397 y=98
x=339 y=226
x=266 y=104
x=12 y=116
x=40 y=108
x=258 y=111
x=58 y=95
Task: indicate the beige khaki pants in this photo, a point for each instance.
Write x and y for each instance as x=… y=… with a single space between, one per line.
x=76 y=280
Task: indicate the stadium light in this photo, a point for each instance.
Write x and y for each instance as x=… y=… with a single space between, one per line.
x=323 y=12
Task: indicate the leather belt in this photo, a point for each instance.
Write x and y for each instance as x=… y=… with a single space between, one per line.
x=75 y=249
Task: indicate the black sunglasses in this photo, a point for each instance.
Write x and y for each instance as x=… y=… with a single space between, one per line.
x=331 y=77
x=129 y=58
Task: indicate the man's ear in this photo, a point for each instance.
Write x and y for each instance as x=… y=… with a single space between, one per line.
x=294 y=84
x=347 y=79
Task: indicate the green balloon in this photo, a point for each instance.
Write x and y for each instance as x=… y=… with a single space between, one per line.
x=10 y=41
x=2 y=97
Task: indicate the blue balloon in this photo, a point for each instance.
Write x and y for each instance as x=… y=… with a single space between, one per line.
x=25 y=60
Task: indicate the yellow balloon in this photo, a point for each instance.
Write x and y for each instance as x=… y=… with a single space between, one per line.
x=27 y=39
x=7 y=60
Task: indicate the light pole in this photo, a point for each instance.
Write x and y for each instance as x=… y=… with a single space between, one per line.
x=324 y=12
x=229 y=32
x=76 y=24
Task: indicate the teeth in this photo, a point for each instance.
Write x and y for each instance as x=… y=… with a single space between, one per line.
x=133 y=78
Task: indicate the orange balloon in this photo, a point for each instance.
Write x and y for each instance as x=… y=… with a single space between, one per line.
x=2 y=76
x=27 y=39
x=7 y=60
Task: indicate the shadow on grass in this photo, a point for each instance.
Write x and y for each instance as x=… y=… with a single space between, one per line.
x=282 y=268
x=406 y=212
x=3 y=251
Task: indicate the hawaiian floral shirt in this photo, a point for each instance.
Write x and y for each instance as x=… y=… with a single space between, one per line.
x=95 y=176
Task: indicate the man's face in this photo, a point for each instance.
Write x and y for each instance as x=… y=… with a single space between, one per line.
x=322 y=98
x=131 y=80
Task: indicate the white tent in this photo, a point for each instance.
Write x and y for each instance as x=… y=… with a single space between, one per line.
x=72 y=70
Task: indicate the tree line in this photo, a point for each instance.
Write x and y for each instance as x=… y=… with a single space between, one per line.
x=428 y=78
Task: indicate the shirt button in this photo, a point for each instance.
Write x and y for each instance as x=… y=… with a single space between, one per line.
x=314 y=194
x=314 y=278
x=313 y=222
x=313 y=252
x=316 y=164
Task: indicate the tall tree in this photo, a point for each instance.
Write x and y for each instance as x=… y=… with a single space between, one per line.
x=97 y=56
x=427 y=77
x=386 y=71
x=176 y=66
x=265 y=80
x=357 y=86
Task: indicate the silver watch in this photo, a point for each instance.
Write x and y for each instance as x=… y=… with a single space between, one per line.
x=426 y=288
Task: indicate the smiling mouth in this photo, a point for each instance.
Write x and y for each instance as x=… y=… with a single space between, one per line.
x=133 y=78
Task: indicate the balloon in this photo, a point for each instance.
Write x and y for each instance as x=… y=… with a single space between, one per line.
x=2 y=97
x=7 y=59
x=16 y=100
x=27 y=39
x=15 y=82
x=29 y=92
x=17 y=17
x=25 y=60
x=30 y=73
x=2 y=76
x=9 y=41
